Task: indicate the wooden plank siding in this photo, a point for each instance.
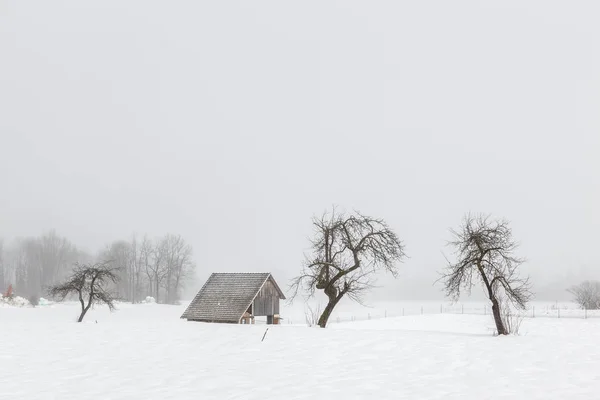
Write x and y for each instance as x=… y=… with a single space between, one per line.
x=267 y=301
x=226 y=297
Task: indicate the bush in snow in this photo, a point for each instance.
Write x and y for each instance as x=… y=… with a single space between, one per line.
x=587 y=295
x=312 y=315
x=511 y=317
x=13 y=301
x=149 y=300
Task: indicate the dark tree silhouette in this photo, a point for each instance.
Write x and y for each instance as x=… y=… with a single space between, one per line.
x=485 y=252
x=90 y=283
x=347 y=250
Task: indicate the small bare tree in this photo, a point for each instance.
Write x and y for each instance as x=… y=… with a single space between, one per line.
x=157 y=268
x=347 y=251
x=512 y=318
x=90 y=282
x=587 y=295
x=312 y=315
x=178 y=266
x=485 y=252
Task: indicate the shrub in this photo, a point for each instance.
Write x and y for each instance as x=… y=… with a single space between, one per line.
x=587 y=295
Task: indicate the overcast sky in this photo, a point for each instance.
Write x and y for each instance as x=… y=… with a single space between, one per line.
x=232 y=123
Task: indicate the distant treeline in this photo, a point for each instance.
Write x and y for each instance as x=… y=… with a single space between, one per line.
x=159 y=268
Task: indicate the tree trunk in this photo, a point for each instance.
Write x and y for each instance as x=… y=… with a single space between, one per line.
x=157 y=287
x=83 y=309
x=168 y=293
x=327 y=311
x=176 y=290
x=495 y=306
x=132 y=288
x=498 y=317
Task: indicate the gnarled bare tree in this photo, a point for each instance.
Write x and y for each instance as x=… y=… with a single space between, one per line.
x=91 y=284
x=347 y=251
x=484 y=251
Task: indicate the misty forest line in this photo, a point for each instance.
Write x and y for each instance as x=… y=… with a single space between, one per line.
x=159 y=267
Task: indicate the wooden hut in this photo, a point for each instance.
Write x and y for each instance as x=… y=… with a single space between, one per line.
x=236 y=298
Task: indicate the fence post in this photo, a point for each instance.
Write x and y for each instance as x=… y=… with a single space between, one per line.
x=421 y=310
x=385 y=314
x=369 y=316
x=558 y=312
x=462 y=308
x=403 y=311
x=441 y=308
x=532 y=311
x=584 y=312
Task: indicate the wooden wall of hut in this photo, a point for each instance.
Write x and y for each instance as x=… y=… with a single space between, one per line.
x=267 y=301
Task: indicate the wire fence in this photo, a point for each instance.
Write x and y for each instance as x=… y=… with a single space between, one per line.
x=534 y=311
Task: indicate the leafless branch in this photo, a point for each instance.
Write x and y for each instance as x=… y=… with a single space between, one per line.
x=347 y=251
x=484 y=251
x=90 y=283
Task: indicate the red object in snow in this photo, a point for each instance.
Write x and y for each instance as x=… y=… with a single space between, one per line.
x=9 y=291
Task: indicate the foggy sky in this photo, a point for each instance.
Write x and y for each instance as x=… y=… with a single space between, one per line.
x=232 y=123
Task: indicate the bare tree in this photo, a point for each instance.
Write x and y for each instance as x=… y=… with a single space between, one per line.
x=347 y=251
x=511 y=317
x=136 y=270
x=145 y=260
x=156 y=269
x=38 y=262
x=9 y=267
x=17 y=260
x=2 y=274
x=90 y=282
x=121 y=254
x=178 y=266
x=56 y=254
x=485 y=251
x=146 y=268
x=312 y=315
x=587 y=295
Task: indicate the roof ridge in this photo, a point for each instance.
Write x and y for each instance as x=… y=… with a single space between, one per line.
x=247 y=272
x=240 y=273
x=225 y=296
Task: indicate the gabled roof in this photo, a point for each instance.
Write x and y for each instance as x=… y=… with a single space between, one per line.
x=225 y=297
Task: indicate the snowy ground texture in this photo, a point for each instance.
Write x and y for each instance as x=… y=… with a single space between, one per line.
x=146 y=352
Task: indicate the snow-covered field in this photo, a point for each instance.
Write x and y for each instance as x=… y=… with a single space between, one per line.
x=348 y=310
x=147 y=352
